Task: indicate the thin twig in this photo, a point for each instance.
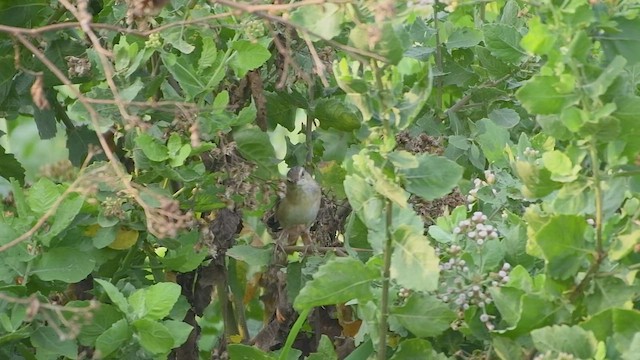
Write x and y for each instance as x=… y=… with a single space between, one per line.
x=51 y=211
x=350 y=49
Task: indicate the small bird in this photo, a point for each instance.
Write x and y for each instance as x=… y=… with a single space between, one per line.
x=297 y=211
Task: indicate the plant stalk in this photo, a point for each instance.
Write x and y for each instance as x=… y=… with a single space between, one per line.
x=386 y=274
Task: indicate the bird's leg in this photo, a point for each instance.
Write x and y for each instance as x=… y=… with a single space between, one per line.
x=309 y=245
x=279 y=247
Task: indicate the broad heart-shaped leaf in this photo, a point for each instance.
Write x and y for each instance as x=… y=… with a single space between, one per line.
x=504 y=42
x=337 y=281
x=414 y=264
x=252 y=255
x=65 y=264
x=154 y=302
x=116 y=336
x=47 y=341
x=246 y=352
x=567 y=339
x=153 y=336
x=324 y=20
x=115 y=295
x=151 y=147
x=10 y=167
x=424 y=315
x=248 y=56
x=563 y=244
x=333 y=113
x=434 y=177
x=539 y=95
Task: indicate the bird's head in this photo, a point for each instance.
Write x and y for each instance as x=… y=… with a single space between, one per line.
x=298 y=176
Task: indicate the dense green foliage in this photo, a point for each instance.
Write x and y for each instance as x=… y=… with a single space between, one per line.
x=479 y=160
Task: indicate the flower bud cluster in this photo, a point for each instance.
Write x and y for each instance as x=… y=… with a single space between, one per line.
x=502 y=276
x=529 y=152
x=490 y=179
x=475 y=228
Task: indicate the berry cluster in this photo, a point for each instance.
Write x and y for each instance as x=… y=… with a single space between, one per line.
x=153 y=41
x=475 y=228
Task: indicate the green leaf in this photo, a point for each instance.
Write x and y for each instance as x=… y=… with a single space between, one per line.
x=414 y=264
x=153 y=336
x=65 y=214
x=623 y=244
x=416 y=349
x=185 y=73
x=609 y=292
x=175 y=37
x=323 y=20
x=47 y=340
x=65 y=264
x=248 y=56
x=504 y=42
x=540 y=39
x=567 y=339
x=337 y=281
x=540 y=96
x=333 y=113
x=435 y=176
x=622 y=39
x=606 y=78
x=102 y=319
x=325 y=350
x=10 y=167
x=246 y=352
x=464 y=38
x=560 y=166
x=507 y=349
x=151 y=147
x=536 y=182
x=179 y=331
x=209 y=53
x=115 y=295
x=424 y=315
x=154 y=302
x=563 y=244
x=43 y=194
x=506 y=118
x=185 y=258
x=367 y=205
x=114 y=338
x=258 y=257
x=493 y=140
x=255 y=146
